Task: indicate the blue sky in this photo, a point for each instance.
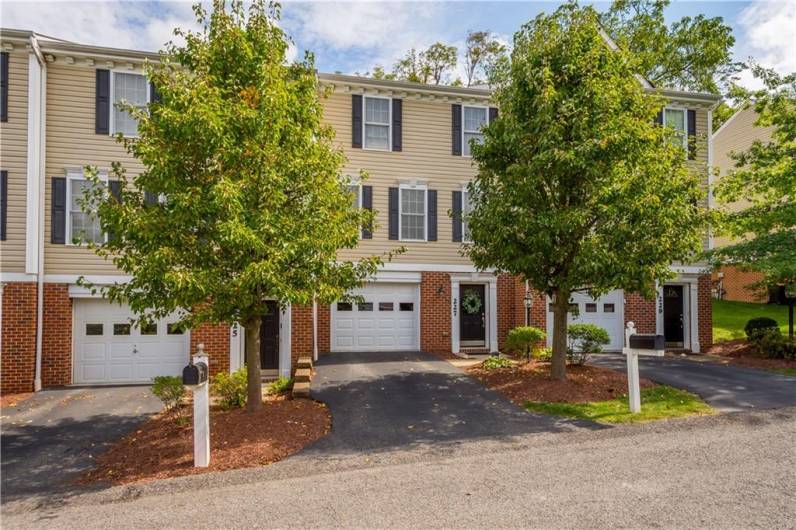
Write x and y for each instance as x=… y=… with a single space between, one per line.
x=353 y=36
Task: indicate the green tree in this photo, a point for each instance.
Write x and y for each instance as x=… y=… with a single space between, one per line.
x=577 y=189
x=765 y=176
x=252 y=205
x=439 y=58
x=379 y=73
x=483 y=50
x=412 y=67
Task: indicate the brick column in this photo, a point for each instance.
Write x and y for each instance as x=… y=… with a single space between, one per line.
x=640 y=311
x=215 y=337
x=56 y=355
x=18 y=337
x=435 y=312
x=301 y=338
x=705 y=312
x=510 y=305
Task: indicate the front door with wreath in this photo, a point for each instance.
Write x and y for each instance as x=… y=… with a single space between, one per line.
x=472 y=315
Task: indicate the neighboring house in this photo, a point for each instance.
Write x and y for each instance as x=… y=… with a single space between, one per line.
x=412 y=139
x=735 y=136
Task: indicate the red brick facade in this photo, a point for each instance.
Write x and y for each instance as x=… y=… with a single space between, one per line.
x=56 y=353
x=301 y=333
x=705 y=312
x=18 y=337
x=735 y=284
x=215 y=338
x=641 y=312
x=511 y=305
x=435 y=312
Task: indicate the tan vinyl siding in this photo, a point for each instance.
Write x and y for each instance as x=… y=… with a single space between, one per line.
x=72 y=144
x=699 y=165
x=426 y=156
x=13 y=158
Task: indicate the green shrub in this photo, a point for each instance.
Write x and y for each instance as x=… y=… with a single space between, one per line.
x=280 y=384
x=543 y=354
x=494 y=363
x=758 y=326
x=772 y=344
x=230 y=388
x=170 y=391
x=521 y=340
x=583 y=340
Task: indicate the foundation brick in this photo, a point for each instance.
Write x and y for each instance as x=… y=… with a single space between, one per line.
x=435 y=312
x=18 y=337
x=56 y=355
x=705 y=313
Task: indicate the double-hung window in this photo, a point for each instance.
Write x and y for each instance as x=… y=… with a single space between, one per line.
x=376 y=124
x=466 y=208
x=132 y=89
x=81 y=225
x=474 y=119
x=413 y=213
x=677 y=119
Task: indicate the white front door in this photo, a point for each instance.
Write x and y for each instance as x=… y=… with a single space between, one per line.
x=108 y=349
x=606 y=312
x=387 y=319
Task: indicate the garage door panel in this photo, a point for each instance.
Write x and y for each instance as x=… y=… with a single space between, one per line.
x=604 y=312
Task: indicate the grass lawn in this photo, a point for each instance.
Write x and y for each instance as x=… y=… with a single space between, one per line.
x=660 y=402
x=729 y=318
x=785 y=371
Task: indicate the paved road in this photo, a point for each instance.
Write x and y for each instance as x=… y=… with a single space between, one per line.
x=727 y=388
x=50 y=438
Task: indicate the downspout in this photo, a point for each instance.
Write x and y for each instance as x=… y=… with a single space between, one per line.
x=42 y=88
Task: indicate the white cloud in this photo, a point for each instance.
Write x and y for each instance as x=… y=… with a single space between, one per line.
x=768 y=36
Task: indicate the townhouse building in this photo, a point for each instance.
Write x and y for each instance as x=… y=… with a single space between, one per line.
x=411 y=139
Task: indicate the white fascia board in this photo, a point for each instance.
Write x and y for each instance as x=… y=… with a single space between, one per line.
x=431 y=267
x=690 y=269
x=97 y=279
x=11 y=277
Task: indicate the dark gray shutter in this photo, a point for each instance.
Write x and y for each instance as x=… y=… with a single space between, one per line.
x=154 y=95
x=691 y=134
x=456 y=129
x=116 y=192
x=397 y=124
x=58 y=211
x=356 y=121
x=659 y=117
x=493 y=114
x=102 y=103
x=150 y=198
x=432 y=215
x=3 y=204
x=4 y=87
x=393 y=213
x=367 y=204
x=456 y=212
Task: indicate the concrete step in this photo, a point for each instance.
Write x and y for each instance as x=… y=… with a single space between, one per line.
x=302 y=374
x=304 y=362
x=301 y=389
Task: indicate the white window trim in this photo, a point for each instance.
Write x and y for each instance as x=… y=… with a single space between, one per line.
x=424 y=188
x=365 y=123
x=70 y=177
x=466 y=131
x=684 y=110
x=111 y=102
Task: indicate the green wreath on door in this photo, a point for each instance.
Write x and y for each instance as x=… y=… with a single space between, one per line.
x=471 y=302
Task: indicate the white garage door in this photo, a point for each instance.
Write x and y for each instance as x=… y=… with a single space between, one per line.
x=387 y=319
x=605 y=312
x=109 y=350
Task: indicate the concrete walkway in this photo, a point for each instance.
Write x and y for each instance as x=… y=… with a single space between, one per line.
x=727 y=388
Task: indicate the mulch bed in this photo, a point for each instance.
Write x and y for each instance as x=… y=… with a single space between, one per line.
x=160 y=449
x=531 y=382
x=740 y=352
x=12 y=400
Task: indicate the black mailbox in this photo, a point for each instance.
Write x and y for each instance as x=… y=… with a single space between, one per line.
x=194 y=374
x=647 y=342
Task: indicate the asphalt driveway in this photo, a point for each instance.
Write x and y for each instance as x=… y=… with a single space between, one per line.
x=50 y=438
x=389 y=400
x=727 y=388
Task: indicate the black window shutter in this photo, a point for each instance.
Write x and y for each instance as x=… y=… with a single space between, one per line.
x=456 y=129
x=457 y=216
x=393 y=211
x=102 y=103
x=58 y=211
x=356 y=121
x=397 y=124
x=432 y=215
x=154 y=95
x=691 y=134
x=4 y=87
x=3 y=204
x=659 y=117
x=150 y=198
x=493 y=114
x=116 y=192
x=367 y=204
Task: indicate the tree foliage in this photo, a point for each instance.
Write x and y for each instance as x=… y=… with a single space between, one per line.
x=482 y=52
x=439 y=58
x=765 y=177
x=252 y=206
x=412 y=67
x=577 y=188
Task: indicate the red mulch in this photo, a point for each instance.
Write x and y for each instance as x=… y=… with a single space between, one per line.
x=12 y=400
x=160 y=449
x=531 y=382
x=740 y=352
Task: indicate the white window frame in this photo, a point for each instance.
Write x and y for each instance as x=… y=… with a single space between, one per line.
x=486 y=110
x=365 y=124
x=685 y=123
x=70 y=177
x=414 y=187
x=112 y=102
x=465 y=227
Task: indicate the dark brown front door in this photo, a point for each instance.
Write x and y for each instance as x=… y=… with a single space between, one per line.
x=269 y=338
x=472 y=315
x=673 y=315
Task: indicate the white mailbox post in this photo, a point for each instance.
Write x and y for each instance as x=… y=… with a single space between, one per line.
x=635 y=345
x=195 y=376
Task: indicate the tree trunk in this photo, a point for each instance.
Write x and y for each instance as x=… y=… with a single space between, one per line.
x=254 y=385
x=558 y=368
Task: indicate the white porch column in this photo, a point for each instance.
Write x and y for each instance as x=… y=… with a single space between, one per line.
x=285 y=367
x=693 y=310
x=454 y=315
x=235 y=347
x=493 y=309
